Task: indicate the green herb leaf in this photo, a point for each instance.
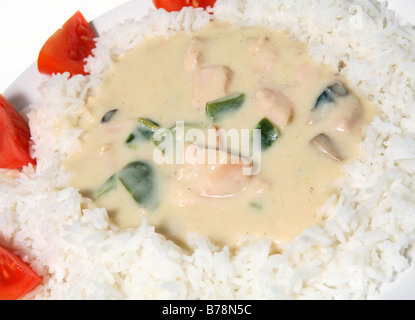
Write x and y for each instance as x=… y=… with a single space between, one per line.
x=186 y=127
x=143 y=132
x=255 y=205
x=215 y=110
x=109 y=185
x=269 y=133
x=140 y=181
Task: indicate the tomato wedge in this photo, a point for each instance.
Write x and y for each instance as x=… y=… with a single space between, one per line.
x=16 y=277
x=177 y=5
x=14 y=138
x=67 y=48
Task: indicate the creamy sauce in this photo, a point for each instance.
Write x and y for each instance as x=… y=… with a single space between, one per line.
x=162 y=80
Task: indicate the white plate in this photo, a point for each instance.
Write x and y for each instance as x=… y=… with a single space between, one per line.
x=24 y=91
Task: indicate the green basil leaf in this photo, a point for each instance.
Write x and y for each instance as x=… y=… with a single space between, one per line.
x=215 y=110
x=140 y=181
x=109 y=185
x=269 y=133
x=143 y=132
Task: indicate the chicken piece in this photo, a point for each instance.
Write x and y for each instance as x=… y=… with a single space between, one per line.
x=346 y=117
x=209 y=84
x=223 y=177
x=304 y=73
x=276 y=106
x=193 y=56
x=256 y=45
x=264 y=56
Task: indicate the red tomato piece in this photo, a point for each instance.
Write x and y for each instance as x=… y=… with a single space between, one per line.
x=14 y=138
x=67 y=48
x=16 y=277
x=177 y=5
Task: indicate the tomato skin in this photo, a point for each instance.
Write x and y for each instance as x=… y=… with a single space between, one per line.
x=16 y=277
x=177 y=5
x=67 y=48
x=14 y=138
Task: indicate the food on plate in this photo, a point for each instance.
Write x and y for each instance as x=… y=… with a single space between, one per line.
x=67 y=49
x=266 y=88
x=16 y=277
x=14 y=138
x=322 y=91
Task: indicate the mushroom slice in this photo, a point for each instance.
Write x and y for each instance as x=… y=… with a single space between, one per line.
x=330 y=94
x=325 y=146
x=340 y=107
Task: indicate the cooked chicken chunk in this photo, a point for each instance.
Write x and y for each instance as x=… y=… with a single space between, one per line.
x=262 y=53
x=276 y=106
x=193 y=55
x=223 y=177
x=347 y=117
x=210 y=83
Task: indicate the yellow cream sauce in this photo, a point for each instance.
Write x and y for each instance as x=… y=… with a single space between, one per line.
x=158 y=80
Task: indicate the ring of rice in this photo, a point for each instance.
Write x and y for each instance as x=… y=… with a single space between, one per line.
x=370 y=226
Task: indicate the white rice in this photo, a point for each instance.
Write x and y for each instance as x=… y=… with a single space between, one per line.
x=370 y=226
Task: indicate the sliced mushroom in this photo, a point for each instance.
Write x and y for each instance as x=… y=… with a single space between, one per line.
x=325 y=146
x=339 y=107
x=330 y=94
